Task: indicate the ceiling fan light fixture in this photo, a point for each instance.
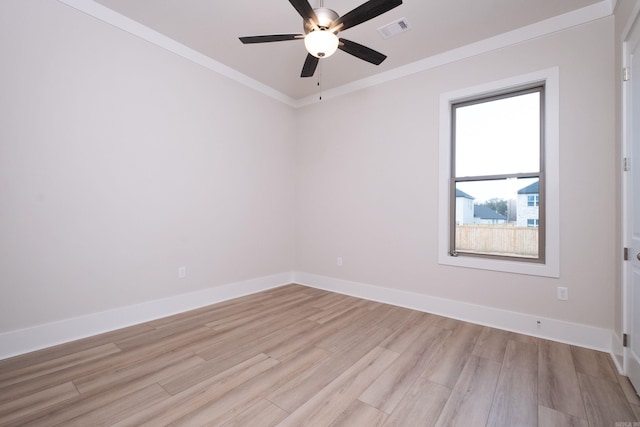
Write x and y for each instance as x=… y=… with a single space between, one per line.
x=321 y=43
x=321 y=28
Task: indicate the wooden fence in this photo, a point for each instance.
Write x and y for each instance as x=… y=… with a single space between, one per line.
x=497 y=239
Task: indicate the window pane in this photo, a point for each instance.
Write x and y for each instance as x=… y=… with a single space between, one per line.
x=493 y=217
x=498 y=137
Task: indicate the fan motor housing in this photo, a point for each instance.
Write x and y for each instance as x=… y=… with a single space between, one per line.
x=326 y=18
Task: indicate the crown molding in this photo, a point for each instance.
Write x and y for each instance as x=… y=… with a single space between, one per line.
x=523 y=34
x=137 y=29
x=558 y=23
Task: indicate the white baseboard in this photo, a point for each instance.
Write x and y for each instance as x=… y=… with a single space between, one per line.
x=34 y=338
x=617 y=353
x=552 y=329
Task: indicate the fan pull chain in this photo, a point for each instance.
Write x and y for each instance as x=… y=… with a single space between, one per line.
x=320 y=67
x=319 y=78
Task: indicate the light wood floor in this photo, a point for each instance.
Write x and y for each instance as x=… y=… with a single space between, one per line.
x=297 y=356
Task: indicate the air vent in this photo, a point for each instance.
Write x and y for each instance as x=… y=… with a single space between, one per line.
x=394 y=28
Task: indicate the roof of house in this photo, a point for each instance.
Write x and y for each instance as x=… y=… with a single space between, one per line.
x=485 y=212
x=530 y=189
x=463 y=194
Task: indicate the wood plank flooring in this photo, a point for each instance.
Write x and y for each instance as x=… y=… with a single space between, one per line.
x=297 y=356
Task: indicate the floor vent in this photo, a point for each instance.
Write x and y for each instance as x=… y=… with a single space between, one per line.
x=394 y=28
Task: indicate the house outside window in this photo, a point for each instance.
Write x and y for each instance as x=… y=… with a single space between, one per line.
x=464 y=208
x=528 y=206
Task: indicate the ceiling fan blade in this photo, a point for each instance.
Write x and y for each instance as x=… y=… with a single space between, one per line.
x=270 y=38
x=309 y=67
x=305 y=10
x=362 y=52
x=364 y=12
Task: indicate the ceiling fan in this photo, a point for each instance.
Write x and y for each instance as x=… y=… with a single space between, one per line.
x=321 y=27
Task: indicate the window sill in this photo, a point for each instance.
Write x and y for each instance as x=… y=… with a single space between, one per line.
x=550 y=269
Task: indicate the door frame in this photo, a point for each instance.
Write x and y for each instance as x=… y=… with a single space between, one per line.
x=630 y=33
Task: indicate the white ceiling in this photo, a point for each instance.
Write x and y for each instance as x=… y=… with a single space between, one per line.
x=212 y=27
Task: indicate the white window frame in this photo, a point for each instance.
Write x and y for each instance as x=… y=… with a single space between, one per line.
x=551 y=267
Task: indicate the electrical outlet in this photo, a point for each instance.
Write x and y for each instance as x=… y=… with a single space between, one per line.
x=339 y=261
x=182 y=272
x=563 y=293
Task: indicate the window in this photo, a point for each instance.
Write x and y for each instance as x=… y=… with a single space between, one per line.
x=497 y=147
x=499 y=162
